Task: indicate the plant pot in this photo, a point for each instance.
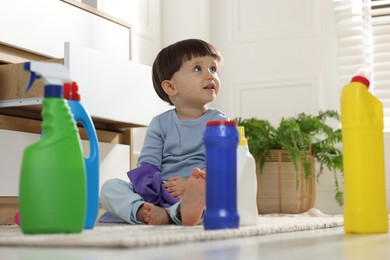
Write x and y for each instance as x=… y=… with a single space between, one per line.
x=277 y=189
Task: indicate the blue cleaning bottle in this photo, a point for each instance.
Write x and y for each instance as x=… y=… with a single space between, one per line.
x=81 y=115
x=221 y=141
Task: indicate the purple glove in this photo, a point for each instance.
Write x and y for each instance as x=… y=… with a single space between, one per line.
x=147 y=182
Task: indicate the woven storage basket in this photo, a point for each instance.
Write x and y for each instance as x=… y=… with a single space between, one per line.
x=276 y=186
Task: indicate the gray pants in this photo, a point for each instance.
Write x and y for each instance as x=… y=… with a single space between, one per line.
x=119 y=199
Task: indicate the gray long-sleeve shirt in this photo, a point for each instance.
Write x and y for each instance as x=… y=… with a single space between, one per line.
x=176 y=146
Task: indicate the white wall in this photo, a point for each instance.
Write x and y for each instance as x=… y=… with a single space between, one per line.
x=280 y=59
x=192 y=21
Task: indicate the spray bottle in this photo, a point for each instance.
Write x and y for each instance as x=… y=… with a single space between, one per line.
x=246 y=182
x=363 y=157
x=52 y=188
x=81 y=115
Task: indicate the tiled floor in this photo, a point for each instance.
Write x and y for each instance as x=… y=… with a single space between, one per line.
x=313 y=245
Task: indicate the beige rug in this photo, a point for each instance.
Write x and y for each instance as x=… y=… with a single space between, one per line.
x=111 y=235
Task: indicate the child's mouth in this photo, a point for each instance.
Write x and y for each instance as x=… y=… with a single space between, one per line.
x=211 y=86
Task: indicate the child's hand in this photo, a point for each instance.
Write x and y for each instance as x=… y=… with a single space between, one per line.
x=176 y=186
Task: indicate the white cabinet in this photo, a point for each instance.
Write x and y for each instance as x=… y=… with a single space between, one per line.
x=113 y=88
x=42 y=26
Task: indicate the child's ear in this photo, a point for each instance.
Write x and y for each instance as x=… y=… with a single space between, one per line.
x=168 y=87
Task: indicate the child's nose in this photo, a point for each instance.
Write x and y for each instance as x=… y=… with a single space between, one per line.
x=210 y=75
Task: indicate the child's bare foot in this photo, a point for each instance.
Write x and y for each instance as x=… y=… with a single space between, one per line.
x=154 y=215
x=193 y=201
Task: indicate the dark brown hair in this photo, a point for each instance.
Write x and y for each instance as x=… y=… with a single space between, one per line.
x=170 y=59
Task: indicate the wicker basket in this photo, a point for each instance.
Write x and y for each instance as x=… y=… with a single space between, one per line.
x=276 y=186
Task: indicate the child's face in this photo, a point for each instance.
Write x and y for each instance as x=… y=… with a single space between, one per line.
x=197 y=82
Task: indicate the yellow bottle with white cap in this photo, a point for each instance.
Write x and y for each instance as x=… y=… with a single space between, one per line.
x=246 y=182
x=363 y=157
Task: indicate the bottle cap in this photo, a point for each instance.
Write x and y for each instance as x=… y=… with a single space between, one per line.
x=71 y=91
x=221 y=122
x=243 y=140
x=361 y=79
x=54 y=91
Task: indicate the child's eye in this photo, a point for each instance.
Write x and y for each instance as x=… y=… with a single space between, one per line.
x=213 y=69
x=197 y=68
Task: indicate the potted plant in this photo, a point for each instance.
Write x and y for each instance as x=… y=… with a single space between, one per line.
x=305 y=138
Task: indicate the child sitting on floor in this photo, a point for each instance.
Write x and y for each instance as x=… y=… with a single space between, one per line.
x=168 y=186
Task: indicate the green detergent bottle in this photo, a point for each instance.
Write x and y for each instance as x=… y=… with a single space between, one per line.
x=52 y=191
